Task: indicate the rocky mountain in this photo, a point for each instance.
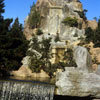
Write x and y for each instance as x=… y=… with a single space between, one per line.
x=53 y=12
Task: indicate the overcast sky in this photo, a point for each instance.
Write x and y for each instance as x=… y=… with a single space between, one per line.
x=21 y=8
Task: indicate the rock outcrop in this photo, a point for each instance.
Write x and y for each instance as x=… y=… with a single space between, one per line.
x=25 y=71
x=73 y=82
x=83 y=59
x=58 y=10
x=53 y=12
x=79 y=81
x=93 y=24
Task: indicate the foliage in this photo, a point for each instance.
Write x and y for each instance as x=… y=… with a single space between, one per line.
x=43 y=47
x=93 y=35
x=89 y=34
x=34 y=17
x=1 y=7
x=72 y=22
x=39 y=32
x=43 y=62
x=13 y=45
x=68 y=56
x=57 y=38
x=82 y=14
x=95 y=61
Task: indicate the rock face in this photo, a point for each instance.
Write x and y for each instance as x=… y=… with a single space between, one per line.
x=53 y=12
x=93 y=24
x=25 y=71
x=83 y=59
x=73 y=82
x=58 y=10
x=80 y=81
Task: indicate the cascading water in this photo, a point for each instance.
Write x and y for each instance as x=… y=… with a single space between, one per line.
x=19 y=90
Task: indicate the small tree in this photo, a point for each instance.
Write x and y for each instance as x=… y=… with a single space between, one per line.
x=68 y=57
x=93 y=35
x=34 y=17
x=72 y=22
x=82 y=14
x=1 y=8
x=13 y=46
x=89 y=34
x=43 y=48
x=57 y=38
x=95 y=18
x=39 y=32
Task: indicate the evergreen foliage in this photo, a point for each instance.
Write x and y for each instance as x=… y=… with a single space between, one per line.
x=43 y=62
x=34 y=17
x=43 y=47
x=39 y=32
x=13 y=44
x=1 y=8
x=89 y=34
x=68 y=56
x=82 y=14
x=93 y=35
x=57 y=38
x=72 y=22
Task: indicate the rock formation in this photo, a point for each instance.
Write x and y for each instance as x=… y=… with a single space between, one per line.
x=93 y=24
x=73 y=82
x=80 y=81
x=83 y=59
x=53 y=12
x=25 y=72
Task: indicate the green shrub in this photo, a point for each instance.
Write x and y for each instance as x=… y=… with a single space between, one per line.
x=57 y=38
x=89 y=34
x=82 y=14
x=34 y=17
x=43 y=62
x=72 y=22
x=13 y=45
x=68 y=57
x=43 y=47
x=39 y=32
x=93 y=35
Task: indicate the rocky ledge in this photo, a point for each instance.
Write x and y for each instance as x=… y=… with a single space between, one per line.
x=80 y=81
x=73 y=82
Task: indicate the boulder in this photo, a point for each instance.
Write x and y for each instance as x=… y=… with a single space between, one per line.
x=73 y=82
x=25 y=71
x=83 y=59
x=22 y=72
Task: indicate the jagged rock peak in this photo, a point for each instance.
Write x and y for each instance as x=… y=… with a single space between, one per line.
x=56 y=2
x=53 y=12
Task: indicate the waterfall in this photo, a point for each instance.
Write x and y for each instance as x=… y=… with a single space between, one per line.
x=20 y=90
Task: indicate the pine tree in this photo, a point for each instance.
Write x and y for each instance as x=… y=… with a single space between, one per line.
x=18 y=45
x=1 y=8
x=13 y=45
x=34 y=17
